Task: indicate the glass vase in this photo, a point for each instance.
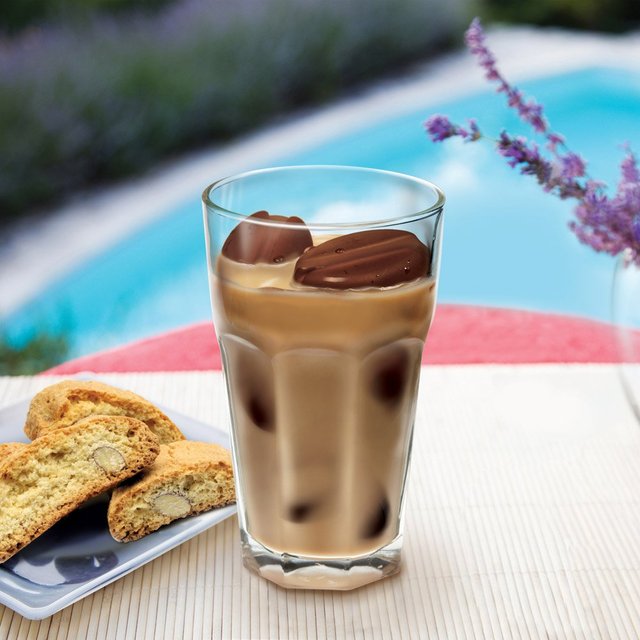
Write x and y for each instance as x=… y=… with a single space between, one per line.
x=626 y=317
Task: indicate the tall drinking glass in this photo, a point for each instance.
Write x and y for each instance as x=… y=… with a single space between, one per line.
x=323 y=286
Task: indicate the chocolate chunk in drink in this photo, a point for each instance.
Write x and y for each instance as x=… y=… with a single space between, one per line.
x=378 y=521
x=259 y=413
x=254 y=243
x=376 y=258
x=390 y=380
x=301 y=511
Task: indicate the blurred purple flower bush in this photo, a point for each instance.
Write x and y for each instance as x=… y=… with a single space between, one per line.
x=92 y=101
x=607 y=223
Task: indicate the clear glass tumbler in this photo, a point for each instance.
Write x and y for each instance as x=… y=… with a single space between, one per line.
x=323 y=285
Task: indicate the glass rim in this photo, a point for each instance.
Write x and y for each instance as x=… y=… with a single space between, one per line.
x=437 y=207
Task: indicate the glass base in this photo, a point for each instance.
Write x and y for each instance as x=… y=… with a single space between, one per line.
x=341 y=574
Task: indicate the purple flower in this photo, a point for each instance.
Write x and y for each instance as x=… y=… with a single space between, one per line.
x=636 y=227
x=475 y=133
x=607 y=224
x=553 y=178
x=573 y=166
x=475 y=41
x=440 y=128
x=629 y=168
x=553 y=140
x=518 y=152
x=531 y=112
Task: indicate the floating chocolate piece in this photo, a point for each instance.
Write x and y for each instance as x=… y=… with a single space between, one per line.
x=390 y=380
x=259 y=414
x=378 y=522
x=301 y=511
x=251 y=381
x=252 y=243
x=376 y=258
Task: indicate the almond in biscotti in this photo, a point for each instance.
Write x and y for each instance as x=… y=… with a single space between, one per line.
x=109 y=459
x=173 y=505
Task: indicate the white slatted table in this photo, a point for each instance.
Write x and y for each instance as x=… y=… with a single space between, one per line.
x=523 y=521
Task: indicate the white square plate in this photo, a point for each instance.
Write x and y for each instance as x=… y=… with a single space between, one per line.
x=78 y=555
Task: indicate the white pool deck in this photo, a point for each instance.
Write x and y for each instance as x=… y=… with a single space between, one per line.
x=44 y=247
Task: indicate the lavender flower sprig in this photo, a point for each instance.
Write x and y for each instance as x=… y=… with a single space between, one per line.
x=531 y=111
x=607 y=224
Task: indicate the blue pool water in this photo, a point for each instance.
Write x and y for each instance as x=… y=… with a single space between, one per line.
x=506 y=242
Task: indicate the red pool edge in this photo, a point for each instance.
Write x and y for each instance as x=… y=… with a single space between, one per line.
x=460 y=334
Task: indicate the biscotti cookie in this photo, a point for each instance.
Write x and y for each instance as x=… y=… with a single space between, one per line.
x=66 y=402
x=7 y=449
x=186 y=478
x=53 y=475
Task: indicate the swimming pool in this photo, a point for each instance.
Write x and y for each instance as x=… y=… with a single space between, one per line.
x=505 y=242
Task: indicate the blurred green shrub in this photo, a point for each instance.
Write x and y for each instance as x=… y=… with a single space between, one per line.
x=19 y=14
x=595 y=15
x=82 y=105
x=41 y=352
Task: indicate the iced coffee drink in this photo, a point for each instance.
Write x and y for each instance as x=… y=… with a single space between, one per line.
x=322 y=338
